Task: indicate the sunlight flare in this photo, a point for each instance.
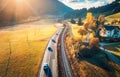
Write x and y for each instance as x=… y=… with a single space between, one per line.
x=19 y=1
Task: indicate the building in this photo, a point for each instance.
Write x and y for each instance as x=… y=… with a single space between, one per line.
x=110 y=32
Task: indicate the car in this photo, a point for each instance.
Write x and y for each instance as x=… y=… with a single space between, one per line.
x=53 y=41
x=50 y=49
x=46 y=66
x=56 y=33
x=47 y=70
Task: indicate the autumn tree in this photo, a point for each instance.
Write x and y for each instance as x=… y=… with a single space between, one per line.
x=86 y=26
x=89 y=17
x=90 y=22
x=101 y=20
x=94 y=42
x=72 y=21
x=80 y=21
x=82 y=32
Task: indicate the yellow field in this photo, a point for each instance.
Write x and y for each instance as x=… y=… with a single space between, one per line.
x=113 y=17
x=21 y=50
x=75 y=29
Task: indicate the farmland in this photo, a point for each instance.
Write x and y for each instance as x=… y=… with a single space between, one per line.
x=113 y=17
x=22 y=48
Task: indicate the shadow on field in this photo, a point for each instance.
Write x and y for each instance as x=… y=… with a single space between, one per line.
x=96 y=57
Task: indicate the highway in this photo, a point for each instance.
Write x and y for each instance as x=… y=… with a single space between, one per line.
x=50 y=57
x=64 y=58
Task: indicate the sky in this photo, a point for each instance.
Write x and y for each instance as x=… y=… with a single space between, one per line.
x=79 y=4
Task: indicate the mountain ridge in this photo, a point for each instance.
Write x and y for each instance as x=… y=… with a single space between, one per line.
x=14 y=12
x=106 y=10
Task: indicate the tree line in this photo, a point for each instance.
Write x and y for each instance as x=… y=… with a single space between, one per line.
x=109 y=9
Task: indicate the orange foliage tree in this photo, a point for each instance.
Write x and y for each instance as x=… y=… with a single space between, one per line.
x=94 y=42
x=90 y=22
x=82 y=32
x=101 y=20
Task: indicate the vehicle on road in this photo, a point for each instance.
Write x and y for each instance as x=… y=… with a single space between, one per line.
x=56 y=33
x=53 y=41
x=50 y=49
x=46 y=66
x=47 y=70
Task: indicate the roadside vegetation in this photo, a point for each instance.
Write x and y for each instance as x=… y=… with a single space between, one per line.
x=82 y=46
x=87 y=60
x=22 y=49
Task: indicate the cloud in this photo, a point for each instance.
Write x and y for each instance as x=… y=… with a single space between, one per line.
x=110 y=1
x=79 y=4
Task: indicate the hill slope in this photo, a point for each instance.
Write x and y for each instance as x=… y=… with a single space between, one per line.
x=106 y=10
x=113 y=17
x=10 y=11
x=53 y=7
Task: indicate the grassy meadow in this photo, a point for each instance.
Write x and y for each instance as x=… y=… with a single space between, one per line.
x=75 y=29
x=113 y=17
x=22 y=49
x=75 y=33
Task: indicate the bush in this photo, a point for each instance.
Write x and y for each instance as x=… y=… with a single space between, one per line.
x=94 y=42
x=83 y=53
x=73 y=21
x=80 y=21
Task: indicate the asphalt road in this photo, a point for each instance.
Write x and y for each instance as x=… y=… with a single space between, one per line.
x=64 y=58
x=50 y=57
x=111 y=56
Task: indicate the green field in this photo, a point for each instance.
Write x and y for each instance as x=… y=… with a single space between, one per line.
x=22 y=49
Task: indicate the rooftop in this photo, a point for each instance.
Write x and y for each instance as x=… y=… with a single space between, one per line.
x=111 y=27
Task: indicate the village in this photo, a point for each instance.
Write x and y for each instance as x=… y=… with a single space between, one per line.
x=106 y=31
x=94 y=42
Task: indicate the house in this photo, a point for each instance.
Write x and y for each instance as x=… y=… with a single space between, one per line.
x=109 y=32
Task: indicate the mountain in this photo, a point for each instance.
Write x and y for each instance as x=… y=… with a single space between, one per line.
x=12 y=11
x=79 y=4
x=109 y=9
x=52 y=7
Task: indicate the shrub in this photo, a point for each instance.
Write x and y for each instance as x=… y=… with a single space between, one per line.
x=73 y=21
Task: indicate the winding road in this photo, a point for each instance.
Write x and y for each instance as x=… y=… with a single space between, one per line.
x=50 y=57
